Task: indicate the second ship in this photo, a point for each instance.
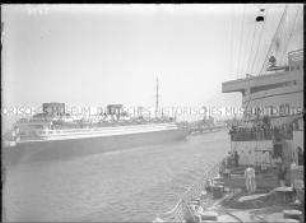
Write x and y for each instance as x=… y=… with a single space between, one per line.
x=54 y=134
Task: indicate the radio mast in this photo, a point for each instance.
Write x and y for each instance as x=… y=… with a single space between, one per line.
x=156 y=98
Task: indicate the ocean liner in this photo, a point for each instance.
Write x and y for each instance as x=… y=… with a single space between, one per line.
x=55 y=130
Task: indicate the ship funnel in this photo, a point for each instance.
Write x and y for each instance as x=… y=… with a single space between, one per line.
x=261 y=16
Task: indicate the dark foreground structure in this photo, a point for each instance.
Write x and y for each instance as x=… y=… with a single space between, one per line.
x=222 y=197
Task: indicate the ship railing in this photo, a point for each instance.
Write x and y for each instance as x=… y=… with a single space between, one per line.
x=108 y=129
x=43 y=134
x=178 y=213
x=249 y=134
x=295 y=59
x=296 y=55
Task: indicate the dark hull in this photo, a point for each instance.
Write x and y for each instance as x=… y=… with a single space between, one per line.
x=71 y=148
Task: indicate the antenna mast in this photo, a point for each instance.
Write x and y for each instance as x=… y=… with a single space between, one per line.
x=157 y=97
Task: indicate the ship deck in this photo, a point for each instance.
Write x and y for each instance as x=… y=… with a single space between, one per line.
x=269 y=203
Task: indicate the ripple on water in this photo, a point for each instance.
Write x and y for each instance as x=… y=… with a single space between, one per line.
x=131 y=185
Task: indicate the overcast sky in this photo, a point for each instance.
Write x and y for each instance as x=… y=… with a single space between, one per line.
x=101 y=54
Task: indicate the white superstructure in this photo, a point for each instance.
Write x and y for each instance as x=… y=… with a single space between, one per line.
x=43 y=132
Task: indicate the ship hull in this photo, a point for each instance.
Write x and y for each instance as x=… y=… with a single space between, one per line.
x=50 y=150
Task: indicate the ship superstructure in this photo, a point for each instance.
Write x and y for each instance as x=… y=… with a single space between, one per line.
x=271 y=128
x=277 y=95
x=272 y=102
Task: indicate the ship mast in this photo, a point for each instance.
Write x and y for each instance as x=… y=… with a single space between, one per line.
x=270 y=50
x=156 y=98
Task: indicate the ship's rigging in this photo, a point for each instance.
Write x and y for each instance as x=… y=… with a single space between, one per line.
x=263 y=31
x=278 y=47
x=261 y=57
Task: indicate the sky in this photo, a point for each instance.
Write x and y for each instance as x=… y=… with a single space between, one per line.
x=102 y=54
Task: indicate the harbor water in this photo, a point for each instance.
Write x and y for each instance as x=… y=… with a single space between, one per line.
x=131 y=185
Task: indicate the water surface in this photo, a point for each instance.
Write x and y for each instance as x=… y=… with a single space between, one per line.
x=127 y=185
